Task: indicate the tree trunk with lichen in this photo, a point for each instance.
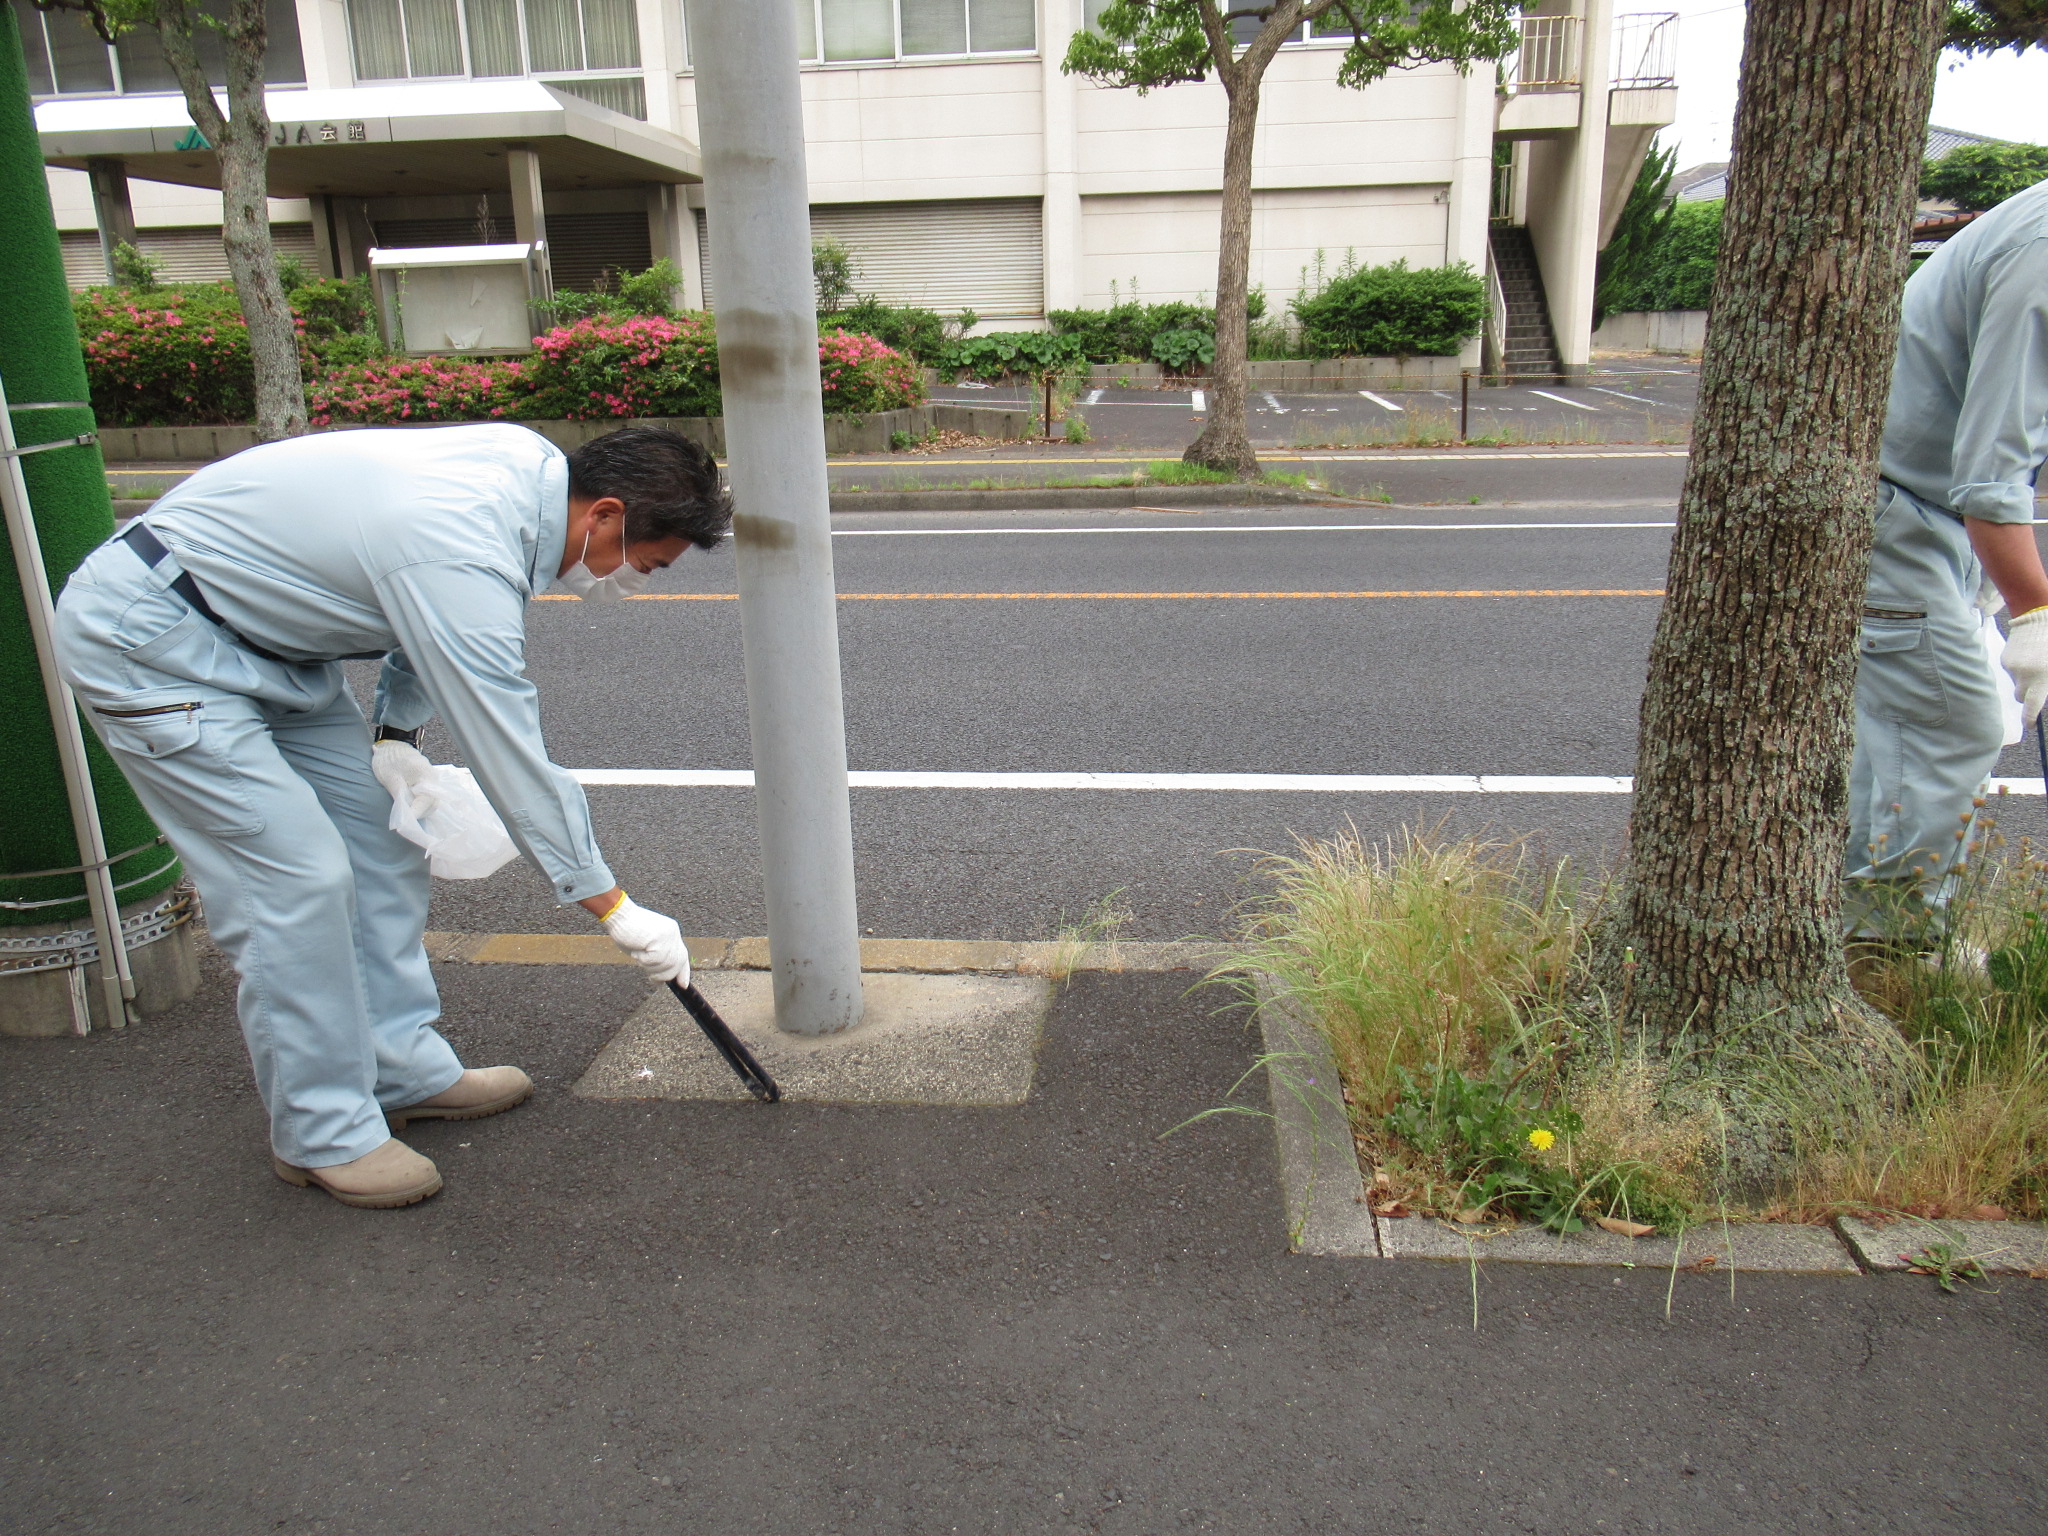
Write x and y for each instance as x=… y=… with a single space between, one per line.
x=1726 y=932
x=241 y=140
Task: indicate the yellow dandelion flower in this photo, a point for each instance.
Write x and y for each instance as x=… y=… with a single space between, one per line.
x=1541 y=1139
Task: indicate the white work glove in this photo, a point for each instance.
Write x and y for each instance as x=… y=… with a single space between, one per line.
x=655 y=942
x=2025 y=659
x=398 y=768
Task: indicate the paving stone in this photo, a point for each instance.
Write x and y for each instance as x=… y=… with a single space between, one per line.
x=927 y=1040
x=1740 y=1246
x=2001 y=1247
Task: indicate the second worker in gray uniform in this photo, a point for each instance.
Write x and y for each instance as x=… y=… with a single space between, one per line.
x=1965 y=435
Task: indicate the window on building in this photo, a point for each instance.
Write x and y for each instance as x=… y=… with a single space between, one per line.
x=856 y=31
x=65 y=57
x=1330 y=27
x=550 y=40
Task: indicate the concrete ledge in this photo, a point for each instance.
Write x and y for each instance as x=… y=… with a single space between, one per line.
x=967 y=1040
x=1745 y=1246
x=1027 y=498
x=996 y=957
x=1999 y=1247
x=1320 y=1179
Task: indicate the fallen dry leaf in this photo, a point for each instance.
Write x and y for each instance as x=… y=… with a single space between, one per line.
x=1393 y=1210
x=1472 y=1214
x=1703 y=1263
x=1926 y=1212
x=1622 y=1228
x=1986 y=1213
x=1382 y=1179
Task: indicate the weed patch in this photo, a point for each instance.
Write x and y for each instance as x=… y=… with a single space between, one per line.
x=1180 y=472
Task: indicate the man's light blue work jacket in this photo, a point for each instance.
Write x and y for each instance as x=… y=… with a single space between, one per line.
x=1967 y=429
x=423 y=544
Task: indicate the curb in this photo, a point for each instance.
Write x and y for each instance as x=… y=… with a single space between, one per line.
x=1323 y=1187
x=935 y=957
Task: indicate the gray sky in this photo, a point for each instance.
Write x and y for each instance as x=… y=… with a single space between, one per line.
x=2005 y=96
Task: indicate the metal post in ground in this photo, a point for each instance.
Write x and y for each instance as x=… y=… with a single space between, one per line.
x=750 y=117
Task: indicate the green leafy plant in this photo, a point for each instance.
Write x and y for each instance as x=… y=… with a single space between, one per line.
x=925 y=334
x=1676 y=269
x=1077 y=428
x=135 y=270
x=1001 y=354
x=1180 y=472
x=1947 y=1262
x=1184 y=351
x=833 y=270
x=1645 y=219
x=1392 y=311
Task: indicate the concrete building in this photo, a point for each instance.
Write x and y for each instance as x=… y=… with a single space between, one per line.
x=946 y=149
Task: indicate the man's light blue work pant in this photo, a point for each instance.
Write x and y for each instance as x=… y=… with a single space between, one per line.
x=259 y=773
x=1929 y=723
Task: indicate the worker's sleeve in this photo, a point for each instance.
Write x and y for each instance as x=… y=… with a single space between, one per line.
x=463 y=630
x=402 y=701
x=2002 y=431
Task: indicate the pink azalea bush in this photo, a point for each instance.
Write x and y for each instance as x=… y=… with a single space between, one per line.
x=171 y=358
x=390 y=390
x=860 y=374
x=623 y=365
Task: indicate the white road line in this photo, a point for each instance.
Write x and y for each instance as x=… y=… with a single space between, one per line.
x=1383 y=404
x=1198 y=400
x=1639 y=400
x=1560 y=399
x=1253 y=783
x=1273 y=401
x=933 y=533
x=1093 y=396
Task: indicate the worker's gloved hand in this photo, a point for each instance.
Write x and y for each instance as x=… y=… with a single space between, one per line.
x=398 y=768
x=2026 y=658
x=655 y=942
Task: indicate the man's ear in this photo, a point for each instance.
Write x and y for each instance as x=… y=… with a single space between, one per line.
x=606 y=508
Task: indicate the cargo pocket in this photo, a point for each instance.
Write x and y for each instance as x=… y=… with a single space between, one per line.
x=1896 y=675
x=165 y=748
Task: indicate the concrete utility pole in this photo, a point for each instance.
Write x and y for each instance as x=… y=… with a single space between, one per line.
x=750 y=116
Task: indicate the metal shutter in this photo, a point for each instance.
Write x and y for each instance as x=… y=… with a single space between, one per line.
x=188 y=255
x=987 y=255
x=582 y=247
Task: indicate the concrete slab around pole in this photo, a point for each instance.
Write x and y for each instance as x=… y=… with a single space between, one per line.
x=958 y=1039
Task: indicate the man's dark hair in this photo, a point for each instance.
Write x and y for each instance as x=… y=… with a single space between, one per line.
x=668 y=483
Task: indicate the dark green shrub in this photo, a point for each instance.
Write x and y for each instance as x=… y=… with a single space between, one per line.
x=1393 y=311
x=176 y=357
x=617 y=294
x=1677 y=271
x=1124 y=332
x=1979 y=176
x=328 y=308
x=1184 y=351
x=922 y=333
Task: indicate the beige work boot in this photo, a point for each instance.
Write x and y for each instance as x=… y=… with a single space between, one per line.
x=392 y=1175
x=480 y=1091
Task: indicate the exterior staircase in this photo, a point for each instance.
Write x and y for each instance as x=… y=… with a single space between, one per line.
x=1529 y=349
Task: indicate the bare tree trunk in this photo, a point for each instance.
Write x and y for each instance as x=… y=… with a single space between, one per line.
x=1729 y=918
x=241 y=140
x=1224 y=443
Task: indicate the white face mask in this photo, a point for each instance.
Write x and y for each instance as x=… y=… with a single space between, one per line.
x=592 y=588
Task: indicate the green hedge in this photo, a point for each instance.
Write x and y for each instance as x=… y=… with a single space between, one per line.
x=1677 y=271
x=1392 y=311
x=1131 y=332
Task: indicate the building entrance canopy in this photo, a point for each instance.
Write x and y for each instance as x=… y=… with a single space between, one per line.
x=383 y=140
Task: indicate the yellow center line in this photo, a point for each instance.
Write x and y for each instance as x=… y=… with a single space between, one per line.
x=1044 y=597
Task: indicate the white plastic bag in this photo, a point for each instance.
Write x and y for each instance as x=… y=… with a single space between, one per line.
x=447 y=815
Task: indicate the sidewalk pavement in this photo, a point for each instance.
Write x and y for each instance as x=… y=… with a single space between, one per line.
x=709 y=1317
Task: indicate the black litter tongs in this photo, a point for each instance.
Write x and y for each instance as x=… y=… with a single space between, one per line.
x=730 y=1046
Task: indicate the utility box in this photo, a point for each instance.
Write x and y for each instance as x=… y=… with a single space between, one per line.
x=458 y=298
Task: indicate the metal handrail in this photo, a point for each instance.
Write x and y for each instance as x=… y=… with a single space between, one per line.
x=1645 y=50
x=1494 y=355
x=1547 y=58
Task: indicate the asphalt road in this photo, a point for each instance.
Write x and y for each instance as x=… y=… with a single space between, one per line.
x=658 y=1317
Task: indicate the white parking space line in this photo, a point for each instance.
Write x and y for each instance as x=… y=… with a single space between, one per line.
x=1560 y=399
x=934 y=533
x=1093 y=396
x=1199 y=400
x=1238 y=783
x=1274 y=402
x=1639 y=400
x=1383 y=404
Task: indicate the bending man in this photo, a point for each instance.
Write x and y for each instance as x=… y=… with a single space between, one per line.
x=1965 y=436
x=204 y=642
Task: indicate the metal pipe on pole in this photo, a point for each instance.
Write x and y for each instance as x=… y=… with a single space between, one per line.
x=115 y=976
x=750 y=119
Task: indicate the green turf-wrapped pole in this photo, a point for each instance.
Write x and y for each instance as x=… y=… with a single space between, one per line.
x=40 y=361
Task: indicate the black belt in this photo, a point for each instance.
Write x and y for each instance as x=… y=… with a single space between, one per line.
x=152 y=552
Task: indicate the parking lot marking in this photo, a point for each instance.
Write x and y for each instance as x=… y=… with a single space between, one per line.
x=1240 y=783
x=1273 y=401
x=1639 y=400
x=1387 y=405
x=1093 y=396
x=1198 y=400
x=1560 y=399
